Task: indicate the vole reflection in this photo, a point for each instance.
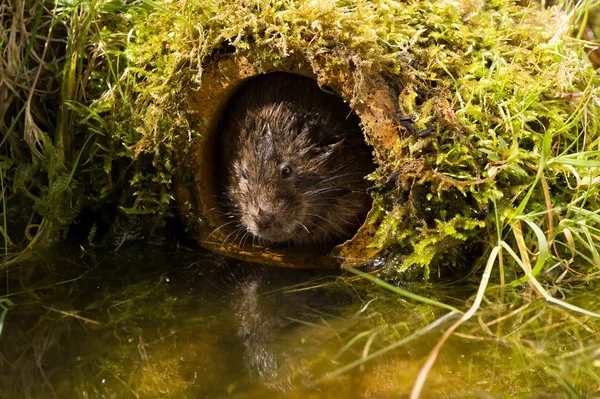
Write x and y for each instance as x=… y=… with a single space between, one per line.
x=280 y=327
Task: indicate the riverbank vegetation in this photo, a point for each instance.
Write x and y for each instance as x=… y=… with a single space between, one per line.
x=495 y=179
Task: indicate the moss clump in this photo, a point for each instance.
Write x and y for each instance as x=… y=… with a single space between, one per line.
x=502 y=99
x=494 y=105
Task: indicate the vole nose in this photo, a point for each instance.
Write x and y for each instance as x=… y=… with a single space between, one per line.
x=264 y=219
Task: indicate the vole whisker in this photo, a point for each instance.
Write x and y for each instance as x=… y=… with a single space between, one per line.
x=219 y=228
x=339 y=176
x=327 y=235
x=244 y=238
x=300 y=223
x=241 y=229
x=230 y=234
x=325 y=190
x=336 y=227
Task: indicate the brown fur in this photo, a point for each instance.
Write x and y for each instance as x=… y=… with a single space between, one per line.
x=278 y=123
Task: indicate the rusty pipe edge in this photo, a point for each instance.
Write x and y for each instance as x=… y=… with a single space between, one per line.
x=195 y=188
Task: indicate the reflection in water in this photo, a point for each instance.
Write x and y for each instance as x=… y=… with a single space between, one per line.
x=145 y=323
x=257 y=329
x=270 y=325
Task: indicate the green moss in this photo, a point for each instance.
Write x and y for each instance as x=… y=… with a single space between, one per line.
x=503 y=100
x=490 y=80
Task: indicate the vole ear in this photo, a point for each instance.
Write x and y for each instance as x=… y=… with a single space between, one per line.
x=335 y=147
x=319 y=133
x=323 y=137
x=309 y=129
x=327 y=151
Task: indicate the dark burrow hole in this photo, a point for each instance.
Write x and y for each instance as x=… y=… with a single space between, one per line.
x=289 y=166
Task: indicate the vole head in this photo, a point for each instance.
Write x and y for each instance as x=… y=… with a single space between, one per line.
x=283 y=174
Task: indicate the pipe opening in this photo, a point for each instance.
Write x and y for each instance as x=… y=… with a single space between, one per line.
x=288 y=167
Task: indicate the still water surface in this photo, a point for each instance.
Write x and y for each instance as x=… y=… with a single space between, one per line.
x=144 y=322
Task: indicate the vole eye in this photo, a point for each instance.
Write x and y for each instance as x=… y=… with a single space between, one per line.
x=286 y=171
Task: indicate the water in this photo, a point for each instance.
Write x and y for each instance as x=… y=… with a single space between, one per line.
x=147 y=323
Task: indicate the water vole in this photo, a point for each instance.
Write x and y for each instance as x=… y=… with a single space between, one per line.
x=294 y=161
